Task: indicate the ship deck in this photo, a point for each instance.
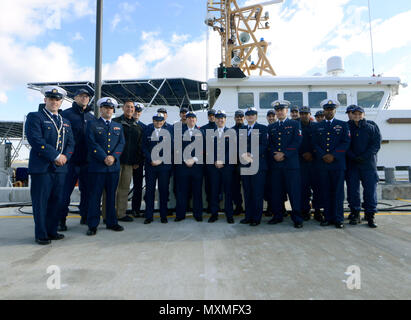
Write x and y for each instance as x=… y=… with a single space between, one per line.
x=191 y=260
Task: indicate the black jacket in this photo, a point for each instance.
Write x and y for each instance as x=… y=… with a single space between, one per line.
x=79 y=120
x=133 y=133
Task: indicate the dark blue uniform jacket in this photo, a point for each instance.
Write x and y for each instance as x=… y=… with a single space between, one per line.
x=43 y=139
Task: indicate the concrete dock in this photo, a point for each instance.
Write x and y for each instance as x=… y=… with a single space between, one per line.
x=198 y=260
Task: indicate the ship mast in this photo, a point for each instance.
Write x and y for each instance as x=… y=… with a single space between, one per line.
x=237 y=27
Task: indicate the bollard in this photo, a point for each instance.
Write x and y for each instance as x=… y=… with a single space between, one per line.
x=389 y=175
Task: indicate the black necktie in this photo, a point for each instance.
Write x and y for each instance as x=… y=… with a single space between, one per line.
x=56 y=120
x=107 y=123
x=328 y=124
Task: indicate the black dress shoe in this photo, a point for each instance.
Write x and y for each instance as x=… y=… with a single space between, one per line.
x=245 y=221
x=116 y=227
x=371 y=223
x=104 y=221
x=268 y=214
x=354 y=218
x=199 y=219
x=339 y=225
x=230 y=220
x=62 y=227
x=275 y=221
x=147 y=221
x=58 y=236
x=212 y=219
x=254 y=223
x=91 y=232
x=298 y=225
x=164 y=220
x=126 y=219
x=43 y=241
x=178 y=219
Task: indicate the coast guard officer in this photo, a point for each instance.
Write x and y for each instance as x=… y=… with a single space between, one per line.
x=253 y=185
x=284 y=140
x=189 y=174
x=362 y=167
x=52 y=145
x=237 y=196
x=210 y=125
x=105 y=142
x=220 y=172
x=183 y=115
x=294 y=113
x=331 y=141
x=138 y=174
x=308 y=168
x=349 y=110
x=78 y=115
x=166 y=125
x=271 y=118
x=156 y=170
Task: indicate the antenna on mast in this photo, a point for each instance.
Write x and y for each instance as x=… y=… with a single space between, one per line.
x=237 y=27
x=372 y=46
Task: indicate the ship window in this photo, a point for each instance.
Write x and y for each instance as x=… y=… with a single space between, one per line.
x=369 y=99
x=245 y=100
x=266 y=98
x=342 y=98
x=296 y=98
x=315 y=98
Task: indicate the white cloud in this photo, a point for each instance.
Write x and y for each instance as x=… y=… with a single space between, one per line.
x=77 y=37
x=127 y=7
x=30 y=18
x=179 y=38
x=116 y=20
x=21 y=64
x=3 y=97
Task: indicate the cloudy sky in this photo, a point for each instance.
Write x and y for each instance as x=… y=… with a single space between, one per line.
x=49 y=40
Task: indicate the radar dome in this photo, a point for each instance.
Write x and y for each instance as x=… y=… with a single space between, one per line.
x=335 y=66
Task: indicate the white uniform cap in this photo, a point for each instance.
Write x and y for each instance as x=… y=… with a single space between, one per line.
x=108 y=102
x=54 y=92
x=280 y=103
x=329 y=102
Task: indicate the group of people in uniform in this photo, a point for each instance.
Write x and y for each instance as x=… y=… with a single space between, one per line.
x=299 y=159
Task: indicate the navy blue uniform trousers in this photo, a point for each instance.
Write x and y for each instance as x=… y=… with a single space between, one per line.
x=369 y=180
x=138 y=175
x=310 y=187
x=286 y=181
x=237 y=196
x=75 y=172
x=154 y=174
x=47 y=196
x=190 y=182
x=253 y=186
x=332 y=187
x=218 y=177
x=99 y=182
